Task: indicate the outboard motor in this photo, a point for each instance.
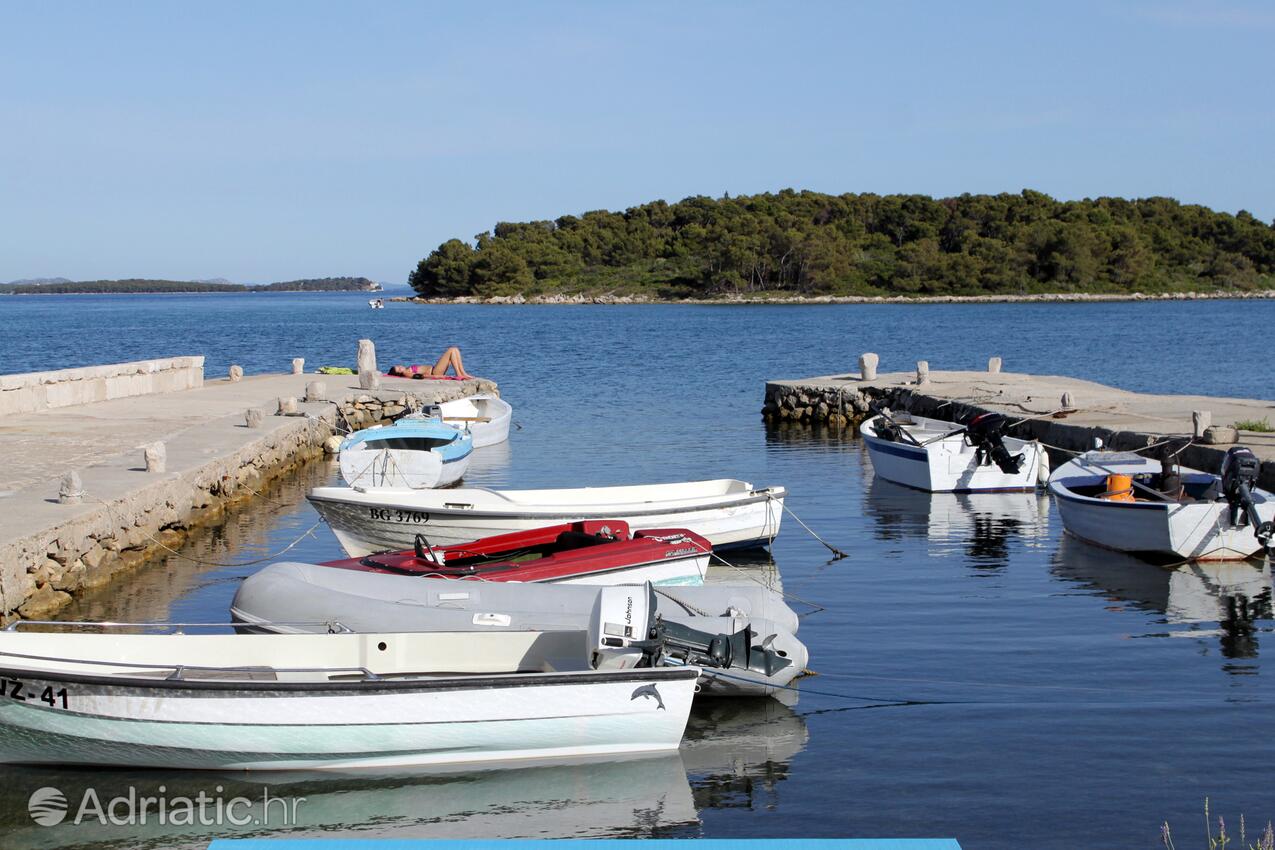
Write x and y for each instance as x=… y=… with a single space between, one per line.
x=986 y=433
x=623 y=634
x=1240 y=470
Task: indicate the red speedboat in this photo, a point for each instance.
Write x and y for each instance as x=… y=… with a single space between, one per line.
x=588 y=552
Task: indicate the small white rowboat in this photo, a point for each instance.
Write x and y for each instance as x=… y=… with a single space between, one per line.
x=1123 y=501
x=727 y=512
x=944 y=457
x=341 y=700
x=486 y=417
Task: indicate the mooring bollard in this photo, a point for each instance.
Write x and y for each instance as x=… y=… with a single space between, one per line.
x=994 y=365
x=236 y=374
x=1200 y=422
x=72 y=489
x=868 y=366
x=922 y=372
x=1221 y=435
x=1068 y=403
x=254 y=417
x=316 y=391
x=298 y=365
x=156 y=456
x=287 y=406
x=369 y=376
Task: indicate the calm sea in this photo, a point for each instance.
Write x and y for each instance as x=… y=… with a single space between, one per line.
x=1056 y=696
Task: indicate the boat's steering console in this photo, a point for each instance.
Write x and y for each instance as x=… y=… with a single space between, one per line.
x=986 y=433
x=1240 y=470
x=625 y=632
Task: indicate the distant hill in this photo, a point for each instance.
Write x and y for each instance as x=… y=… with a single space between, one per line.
x=321 y=284
x=142 y=286
x=38 y=281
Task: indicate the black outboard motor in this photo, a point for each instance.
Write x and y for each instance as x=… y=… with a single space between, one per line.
x=986 y=433
x=1240 y=469
x=723 y=651
x=626 y=632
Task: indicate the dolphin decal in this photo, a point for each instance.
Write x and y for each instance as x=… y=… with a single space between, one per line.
x=649 y=691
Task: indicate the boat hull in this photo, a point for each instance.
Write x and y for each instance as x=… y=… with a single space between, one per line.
x=1189 y=531
x=949 y=465
x=368 y=522
x=392 y=468
x=442 y=721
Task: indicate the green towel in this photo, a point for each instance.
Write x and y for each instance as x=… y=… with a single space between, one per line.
x=335 y=370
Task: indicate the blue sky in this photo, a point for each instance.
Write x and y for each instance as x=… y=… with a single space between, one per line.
x=268 y=141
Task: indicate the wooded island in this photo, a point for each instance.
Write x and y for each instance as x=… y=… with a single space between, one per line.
x=809 y=243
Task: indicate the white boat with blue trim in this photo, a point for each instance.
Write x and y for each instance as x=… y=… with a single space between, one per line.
x=418 y=452
x=345 y=700
x=945 y=457
x=1155 y=509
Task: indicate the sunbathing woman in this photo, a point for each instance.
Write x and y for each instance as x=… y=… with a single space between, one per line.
x=450 y=359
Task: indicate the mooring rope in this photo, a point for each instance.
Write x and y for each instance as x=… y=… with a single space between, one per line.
x=833 y=549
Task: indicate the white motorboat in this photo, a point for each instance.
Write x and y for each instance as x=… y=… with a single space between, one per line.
x=345 y=700
x=1134 y=504
x=416 y=452
x=312 y=595
x=484 y=416
x=729 y=513
x=944 y=457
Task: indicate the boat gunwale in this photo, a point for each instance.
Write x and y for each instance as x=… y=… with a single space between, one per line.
x=365 y=686
x=611 y=511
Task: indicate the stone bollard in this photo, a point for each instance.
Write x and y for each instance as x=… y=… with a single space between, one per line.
x=72 y=489
x=1221 y=435
x=298 y=365
x=287 y=406
x=369 y=375
x=236 y=374
x=254 y=417
x=1068 y=403
x=156 y=456
x=868 y=366
x=1200 y=422
x=994 y=365
x=316 y=391
x=922 y=373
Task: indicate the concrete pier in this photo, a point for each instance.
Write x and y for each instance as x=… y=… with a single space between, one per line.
x=1035 y=403
x=213 y=459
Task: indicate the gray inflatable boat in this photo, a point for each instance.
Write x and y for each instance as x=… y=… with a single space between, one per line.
x=292 y=597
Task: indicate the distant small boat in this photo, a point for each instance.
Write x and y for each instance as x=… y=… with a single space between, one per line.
x=728 y=512
x=945 y=457
x=416 y=452
x=1127 y=502
x=376 y=303
x=485 y=416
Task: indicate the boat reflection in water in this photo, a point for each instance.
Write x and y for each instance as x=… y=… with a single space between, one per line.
x=735 y=750
x=978 y=525
x=1233 y=594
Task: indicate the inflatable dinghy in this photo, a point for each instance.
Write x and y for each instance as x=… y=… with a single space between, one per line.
x=292 y=597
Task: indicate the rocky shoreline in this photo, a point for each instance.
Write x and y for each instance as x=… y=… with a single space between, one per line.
x=1052 y=298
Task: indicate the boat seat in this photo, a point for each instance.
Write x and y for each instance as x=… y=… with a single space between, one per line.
x=580 y=540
